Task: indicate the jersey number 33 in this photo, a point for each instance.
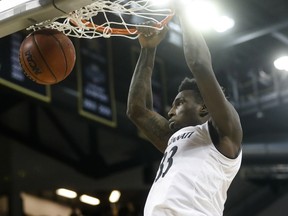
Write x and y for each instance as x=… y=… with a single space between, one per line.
x=166 y=163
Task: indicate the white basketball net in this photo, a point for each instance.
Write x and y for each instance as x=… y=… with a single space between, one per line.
x=105 y=18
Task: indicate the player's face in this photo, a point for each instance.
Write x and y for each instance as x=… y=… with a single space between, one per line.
x=185 y=111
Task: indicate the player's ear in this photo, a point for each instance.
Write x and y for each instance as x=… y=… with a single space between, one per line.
x=203 y=111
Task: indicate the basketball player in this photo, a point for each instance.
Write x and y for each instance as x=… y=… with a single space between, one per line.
x=201 y=140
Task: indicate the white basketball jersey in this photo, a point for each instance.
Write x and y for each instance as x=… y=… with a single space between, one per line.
x=193 y=176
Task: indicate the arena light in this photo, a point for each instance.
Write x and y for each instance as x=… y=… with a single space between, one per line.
x=66 y=193
x=114 y=196
x=223 y=23
x=201 y=13
x=281 y=63
x=89 y=200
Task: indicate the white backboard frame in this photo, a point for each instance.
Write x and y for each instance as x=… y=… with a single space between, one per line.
x=16 y=15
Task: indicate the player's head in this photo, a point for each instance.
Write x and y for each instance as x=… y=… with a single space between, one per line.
x=188 y=108
x=190 y=84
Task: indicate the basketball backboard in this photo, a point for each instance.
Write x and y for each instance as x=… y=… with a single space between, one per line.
x=16 y=15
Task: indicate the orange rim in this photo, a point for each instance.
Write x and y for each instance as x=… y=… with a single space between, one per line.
x=120 y=31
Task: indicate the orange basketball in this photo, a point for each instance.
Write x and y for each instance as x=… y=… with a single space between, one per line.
x=47 y=56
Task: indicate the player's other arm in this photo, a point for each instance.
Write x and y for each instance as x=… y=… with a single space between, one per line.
x=224 y=117
x=140 y=100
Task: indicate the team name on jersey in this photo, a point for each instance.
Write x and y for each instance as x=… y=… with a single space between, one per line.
x=182 y=136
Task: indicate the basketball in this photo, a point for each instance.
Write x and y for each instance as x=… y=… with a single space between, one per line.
x=47 y=56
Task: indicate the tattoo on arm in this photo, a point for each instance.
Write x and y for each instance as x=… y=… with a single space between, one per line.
x=156 y=128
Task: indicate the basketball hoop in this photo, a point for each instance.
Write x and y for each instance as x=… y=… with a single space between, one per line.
x=106 y=18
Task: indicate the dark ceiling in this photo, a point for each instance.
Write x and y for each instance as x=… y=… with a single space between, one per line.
x=117 y=157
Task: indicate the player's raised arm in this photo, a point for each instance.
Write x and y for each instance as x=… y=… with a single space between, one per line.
x=140 y=103
x=224 y=117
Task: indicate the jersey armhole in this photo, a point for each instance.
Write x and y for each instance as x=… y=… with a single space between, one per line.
x=213 y=134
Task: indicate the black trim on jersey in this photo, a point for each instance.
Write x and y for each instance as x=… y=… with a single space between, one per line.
x=213 y=134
